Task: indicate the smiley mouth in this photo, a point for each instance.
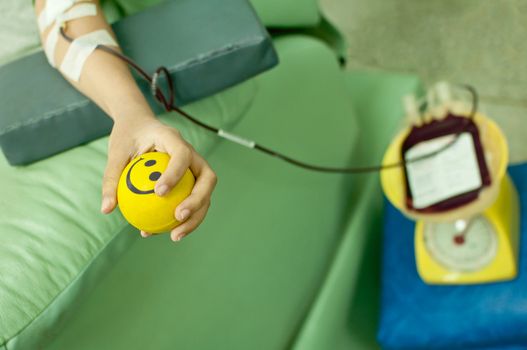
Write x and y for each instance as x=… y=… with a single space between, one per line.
x=154 y=176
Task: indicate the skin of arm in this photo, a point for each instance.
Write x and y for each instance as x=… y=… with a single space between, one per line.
x=107 y=81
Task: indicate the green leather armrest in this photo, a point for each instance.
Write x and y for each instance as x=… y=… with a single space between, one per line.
x=206 y=45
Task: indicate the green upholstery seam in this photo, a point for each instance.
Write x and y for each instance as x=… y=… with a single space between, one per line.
x=218 y=53
x=45 y=116
x=122 y=231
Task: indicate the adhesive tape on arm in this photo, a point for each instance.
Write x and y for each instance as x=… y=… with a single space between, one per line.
x=79 y=11
x=79 y=51
x=52 y=10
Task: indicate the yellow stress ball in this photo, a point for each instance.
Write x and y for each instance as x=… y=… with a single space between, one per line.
x=135 y=194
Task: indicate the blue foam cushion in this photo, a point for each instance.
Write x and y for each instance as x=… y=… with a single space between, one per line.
x=419 y=316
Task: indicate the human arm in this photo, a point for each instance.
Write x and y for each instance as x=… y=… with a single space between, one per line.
x=107 y=81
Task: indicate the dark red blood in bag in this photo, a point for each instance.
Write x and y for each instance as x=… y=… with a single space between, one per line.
x=451 y=125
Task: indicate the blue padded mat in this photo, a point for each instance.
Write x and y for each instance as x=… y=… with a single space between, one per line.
x=419 y=316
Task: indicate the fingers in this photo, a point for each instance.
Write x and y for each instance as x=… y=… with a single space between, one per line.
x=117 y=160
x=194 y=208
x=200 y=196
x=180 y=157
x=190 y=225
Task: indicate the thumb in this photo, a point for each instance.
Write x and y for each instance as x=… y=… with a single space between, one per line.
x=117 y=160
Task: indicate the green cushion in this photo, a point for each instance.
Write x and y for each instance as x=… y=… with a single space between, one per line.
x=244 y=280
x=274 y=13
x=203 y=54
x=50 y=226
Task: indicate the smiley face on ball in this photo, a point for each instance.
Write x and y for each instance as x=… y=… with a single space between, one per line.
x=136 y=197
x=153 y=176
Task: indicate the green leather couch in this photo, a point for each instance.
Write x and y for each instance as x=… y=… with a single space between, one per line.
x=286 y=258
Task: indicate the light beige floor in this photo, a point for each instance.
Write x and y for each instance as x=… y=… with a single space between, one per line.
x=483 y=43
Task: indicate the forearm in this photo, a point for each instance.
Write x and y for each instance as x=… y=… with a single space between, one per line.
x=105 y=79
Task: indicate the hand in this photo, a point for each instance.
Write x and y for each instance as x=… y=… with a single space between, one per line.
x=131 y=137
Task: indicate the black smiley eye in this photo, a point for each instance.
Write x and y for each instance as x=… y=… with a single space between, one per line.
x=155 y=176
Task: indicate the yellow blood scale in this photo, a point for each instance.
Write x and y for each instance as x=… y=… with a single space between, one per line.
x=488 y=252
x=139 y=204
x=476 y=243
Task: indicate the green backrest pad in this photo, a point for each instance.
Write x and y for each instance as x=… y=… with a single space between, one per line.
x=207 y=46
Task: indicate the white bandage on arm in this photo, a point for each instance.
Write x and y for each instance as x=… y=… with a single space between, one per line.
x=57 y=13
x=79 y=51
x=79 y=11
x=52 y=11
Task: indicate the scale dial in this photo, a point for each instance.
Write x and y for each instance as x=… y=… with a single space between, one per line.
x=460 y=246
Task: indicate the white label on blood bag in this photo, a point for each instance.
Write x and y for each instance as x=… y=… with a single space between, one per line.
x=451 y=172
